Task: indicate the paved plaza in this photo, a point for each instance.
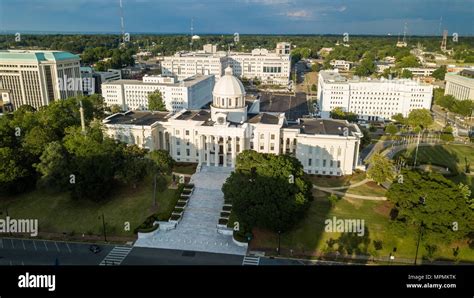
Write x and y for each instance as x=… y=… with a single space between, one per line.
x=197 y=231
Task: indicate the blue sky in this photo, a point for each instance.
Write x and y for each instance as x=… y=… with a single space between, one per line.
x=243 y=16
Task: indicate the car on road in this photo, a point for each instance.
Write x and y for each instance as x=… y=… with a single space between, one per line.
x=95 y=248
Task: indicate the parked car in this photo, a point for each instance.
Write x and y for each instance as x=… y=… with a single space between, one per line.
x=95 y=248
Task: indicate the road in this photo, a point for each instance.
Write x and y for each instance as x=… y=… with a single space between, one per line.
x=43 y=252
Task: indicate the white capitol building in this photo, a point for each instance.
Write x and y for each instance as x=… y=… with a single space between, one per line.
x=215 y=137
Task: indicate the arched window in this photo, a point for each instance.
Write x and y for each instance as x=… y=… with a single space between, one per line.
x=222 y=102
x=230 y=102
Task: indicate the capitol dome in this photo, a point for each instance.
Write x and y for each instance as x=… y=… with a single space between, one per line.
x=228 y=85
x=228 y=102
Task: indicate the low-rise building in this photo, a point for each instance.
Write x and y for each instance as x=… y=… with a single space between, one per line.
x=341 y=65
x=460 y=84
x=371 y=99
x=191 y=93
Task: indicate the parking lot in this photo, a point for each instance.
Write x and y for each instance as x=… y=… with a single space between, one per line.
x=14 y=251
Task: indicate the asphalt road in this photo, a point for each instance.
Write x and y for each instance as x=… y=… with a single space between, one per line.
x=19 y=252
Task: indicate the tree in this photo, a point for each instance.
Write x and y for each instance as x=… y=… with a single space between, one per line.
x=155 y=101
x=463 y=107
x=53 y=167
x=134 y=166
x=268 y=191
x=420 y=118
x=333 y=199
x=381 y=168
x=435 y=201
x=366 y=67
x=398 y=118
x=13 y=175
x=316 y=67
x=314 y=88
x=408 y=61
x=162 y=160
x=338 y=113
x=439 y=73
x=406 y=74
x=446 y=101
x=115 y=109
x=391 y=129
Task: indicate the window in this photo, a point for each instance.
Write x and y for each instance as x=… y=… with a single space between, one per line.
x=188 y=152
x=309 y=162
x=331 y=163
x=272 y=136
x=272 y=146
x=187 y=132
x=177 y=142
x=338 y=163
x=178 y=152
x=262 y=136
x=324 y=163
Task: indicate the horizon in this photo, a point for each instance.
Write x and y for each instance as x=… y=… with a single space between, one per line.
x=268 y=17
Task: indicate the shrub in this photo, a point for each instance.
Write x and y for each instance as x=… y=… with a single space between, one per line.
x=175 y=217
x=223 y=221
x=225 y=214
x=147 y=224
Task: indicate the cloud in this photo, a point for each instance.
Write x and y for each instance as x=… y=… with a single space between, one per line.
x=298 y=14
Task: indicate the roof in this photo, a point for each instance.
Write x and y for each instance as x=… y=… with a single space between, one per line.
x=184 y=83
x=36 y=56
x=467 y=73
x=137 y=118
x=263 y=118
x=323 y=127
x=229 y=85
x=194 y=115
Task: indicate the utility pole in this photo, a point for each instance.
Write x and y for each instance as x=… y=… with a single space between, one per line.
x=416 y=151
x=103 y=226
x=83 y=122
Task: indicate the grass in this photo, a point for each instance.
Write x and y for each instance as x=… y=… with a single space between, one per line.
x=187 y=168
x=336 y=181
x=369 y=189
x=58 y=213
x=451 y=156
x=308 y=238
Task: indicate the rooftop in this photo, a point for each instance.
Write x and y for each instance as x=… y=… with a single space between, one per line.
x=137 y=118
x=183 y=83
x=323 y=127
x=30 y=55
x=194 y=115
x=263 y=118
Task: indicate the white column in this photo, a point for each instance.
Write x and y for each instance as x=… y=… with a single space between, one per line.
x=216 y=151
x=233 y=150
x=284 y=145
x=208 y=150
x=224 y=147
x=241 y=144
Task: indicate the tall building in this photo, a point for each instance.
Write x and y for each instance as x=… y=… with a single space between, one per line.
x=267 y=66
x=371 y=100
x=191 y=93
x=92 y=80
x=215 y=137
x=460 y=84
x=37 y=78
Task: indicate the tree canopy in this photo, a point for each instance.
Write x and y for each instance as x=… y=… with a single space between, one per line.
x=429 y=198
x=268 y=191
x=155 y=101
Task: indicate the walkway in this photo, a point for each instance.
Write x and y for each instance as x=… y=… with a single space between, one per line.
x=349 y=195
x=197 y=230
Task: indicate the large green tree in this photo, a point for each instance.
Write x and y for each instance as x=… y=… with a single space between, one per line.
x=420 y=118
x=268 y=191
x=441 y=205
x=381 y=168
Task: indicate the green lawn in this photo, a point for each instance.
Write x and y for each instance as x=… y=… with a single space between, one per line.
x=185 y=168
x=451 y=156
x=309 y=239
x=369 y=189
x=335 y=181
x=58 y=213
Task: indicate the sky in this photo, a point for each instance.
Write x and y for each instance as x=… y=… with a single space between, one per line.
x=423 y=17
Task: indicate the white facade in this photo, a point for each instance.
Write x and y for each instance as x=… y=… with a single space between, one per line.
x=37 y=78
x=372 y=99
x=342 y=65
x=460 y=85
x=268 y=67
x=421 y=71
x=216 y=137
x=191 y=93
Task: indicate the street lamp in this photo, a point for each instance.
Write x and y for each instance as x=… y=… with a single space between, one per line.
x=279 y=242
x=103 y=226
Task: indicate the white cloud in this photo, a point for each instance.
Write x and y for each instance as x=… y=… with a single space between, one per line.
x=298 y=14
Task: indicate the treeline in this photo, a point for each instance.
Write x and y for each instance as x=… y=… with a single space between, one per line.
x=47 y=149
